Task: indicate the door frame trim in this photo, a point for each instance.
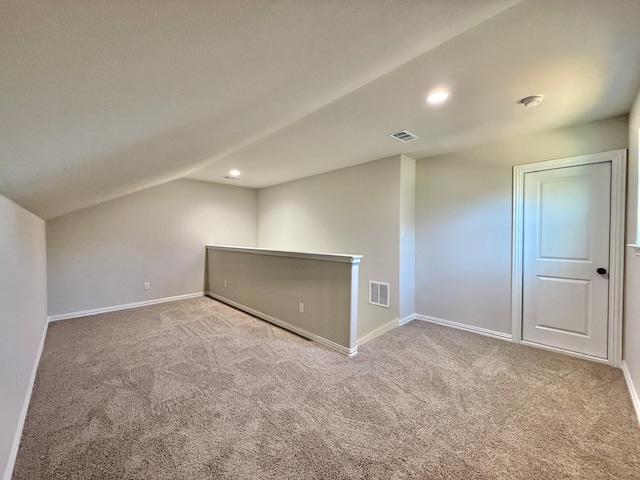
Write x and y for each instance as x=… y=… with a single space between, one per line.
x=618 y=160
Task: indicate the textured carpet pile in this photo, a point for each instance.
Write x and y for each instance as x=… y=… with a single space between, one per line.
x=195 y=389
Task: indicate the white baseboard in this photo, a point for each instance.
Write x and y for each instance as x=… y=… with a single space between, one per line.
x=632 y=389
x=464 y=326
x=125 y=306
x=287 y=326
x=569 y=353
x=378 y=331
x=25 y=407
x=407 y=319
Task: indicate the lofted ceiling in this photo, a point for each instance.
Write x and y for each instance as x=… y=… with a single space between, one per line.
x=104 y=98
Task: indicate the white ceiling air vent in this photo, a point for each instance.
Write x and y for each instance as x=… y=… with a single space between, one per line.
x=404 y=136
x=379 y=294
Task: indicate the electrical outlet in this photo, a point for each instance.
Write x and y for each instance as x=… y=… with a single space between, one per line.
x=301 y=307
x=147 y=286
x=18 y=380
x=225 y=284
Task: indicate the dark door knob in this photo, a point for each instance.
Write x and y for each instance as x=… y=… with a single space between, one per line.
x=602 y=271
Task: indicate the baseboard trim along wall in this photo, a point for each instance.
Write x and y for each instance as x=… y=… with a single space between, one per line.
x=632 y=389
x=407 y=319
x=25 y=407
x=125 y=306
x=287 y=326
x=378 y=331
x=463 y=326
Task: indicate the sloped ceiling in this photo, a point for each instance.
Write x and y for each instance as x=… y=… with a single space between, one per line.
x=104 y=98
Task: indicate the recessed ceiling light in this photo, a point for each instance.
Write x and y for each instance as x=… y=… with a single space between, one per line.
x=437 y=96
x=233 y=175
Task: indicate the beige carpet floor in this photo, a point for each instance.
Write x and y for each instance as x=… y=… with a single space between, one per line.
x=195 y=389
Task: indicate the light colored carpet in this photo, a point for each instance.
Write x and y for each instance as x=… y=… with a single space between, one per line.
x=195 y=389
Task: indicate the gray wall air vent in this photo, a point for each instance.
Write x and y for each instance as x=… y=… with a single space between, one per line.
x=404 y=136
x=379 y=294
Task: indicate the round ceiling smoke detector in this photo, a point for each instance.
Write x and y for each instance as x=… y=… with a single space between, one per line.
x=532 y=100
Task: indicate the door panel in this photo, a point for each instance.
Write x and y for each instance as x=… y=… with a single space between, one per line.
x=566 y=238
x=564 y=305
x=564 y=232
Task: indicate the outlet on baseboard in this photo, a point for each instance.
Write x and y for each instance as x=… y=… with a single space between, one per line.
x=301 y=307
x=147 y=286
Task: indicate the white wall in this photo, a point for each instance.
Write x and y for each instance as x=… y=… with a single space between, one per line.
x=463 y=220
x=407 y=237
x=101 y=256
x=631 y=351
x=354 y=210
x=23 y=316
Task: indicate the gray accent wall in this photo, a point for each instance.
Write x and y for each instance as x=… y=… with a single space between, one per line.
x=101 y=256
x=23 y=318
x=274 y=284
x=463 y=220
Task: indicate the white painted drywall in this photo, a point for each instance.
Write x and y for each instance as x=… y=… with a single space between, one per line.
x=631 y=349
x=407 y=279
x=354 y=210
x=23 y=318
x=463 y=218
x=101 y=256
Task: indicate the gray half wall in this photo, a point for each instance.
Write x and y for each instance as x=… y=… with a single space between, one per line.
x=275 y=284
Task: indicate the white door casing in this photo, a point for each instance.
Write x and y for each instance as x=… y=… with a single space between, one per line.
x=559 y=301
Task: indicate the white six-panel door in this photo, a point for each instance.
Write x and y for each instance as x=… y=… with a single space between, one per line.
x=566 y=231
